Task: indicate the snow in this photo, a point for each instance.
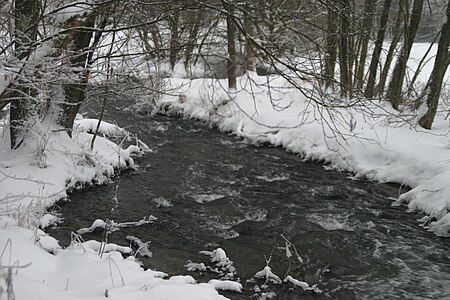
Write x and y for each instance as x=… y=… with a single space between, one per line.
x=218 y=256
x=96 y=224
x=106 y=248
x=72 y=10
x=34 y=177
x=226 y=285
x=79 y=273
x=111 y=225
x=48 y=164
x=222 y=264
x=191 y=266
x=105 y=128
x=369 y=139
x=302 y=284
x=296 y=282
x=183 y=279
x=47 y=220
x=268 y=275
x=142 y=248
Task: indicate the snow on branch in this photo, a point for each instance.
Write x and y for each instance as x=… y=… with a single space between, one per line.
x=302 y=284
x=105 y=128
x=142 y=248
x=106 y=248
x=113 y=226
x=268 y=275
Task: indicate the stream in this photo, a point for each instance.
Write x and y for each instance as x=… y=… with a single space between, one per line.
x=208 y=189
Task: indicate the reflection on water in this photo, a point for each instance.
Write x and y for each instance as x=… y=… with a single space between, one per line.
x=210 y=190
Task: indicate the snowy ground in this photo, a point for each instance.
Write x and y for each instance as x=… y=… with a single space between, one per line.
x=370 y=140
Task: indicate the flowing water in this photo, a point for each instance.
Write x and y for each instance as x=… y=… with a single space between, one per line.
x=209 y=190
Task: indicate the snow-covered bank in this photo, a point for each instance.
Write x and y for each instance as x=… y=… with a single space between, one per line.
x=79 y=273
x=33 y=265
x=369 y=139
x=49 y=163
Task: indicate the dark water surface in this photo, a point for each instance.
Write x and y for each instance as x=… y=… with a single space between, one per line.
x=242 y=198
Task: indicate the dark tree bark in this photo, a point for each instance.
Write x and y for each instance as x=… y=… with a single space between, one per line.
x=394 y=92
x=78 y=53
x=250 y=58
x=345 y=78
x=194 y=27
x=367 y=29
x=26 y=15
x=390 y=55
x=174 y=39
x=434 y=86
x=370 y=87
x=231 y=33
x=331 y=43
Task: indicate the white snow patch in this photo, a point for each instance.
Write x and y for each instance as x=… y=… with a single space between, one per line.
x=305 y=286
x=47 y=220
x=191 y=266
x=268 y=275
x=105 y=128
x=106 y=248
x=226 y=285
x=183 y=279
x=99 y=223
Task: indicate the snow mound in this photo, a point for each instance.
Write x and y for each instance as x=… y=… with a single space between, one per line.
x=78 y=272
x=226 y=285
x=104 y=128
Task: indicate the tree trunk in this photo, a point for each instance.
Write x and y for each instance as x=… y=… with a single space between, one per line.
x=250 y=58
x=344 y=48
x=26 y=14
x=370 y=87
x=331 y=44
x=367 y=29
x=231 y=33
x=390 y=55
x=174 y=39
x=434 y=86
x=78 y=53
x=395 y=87
x=192 y=39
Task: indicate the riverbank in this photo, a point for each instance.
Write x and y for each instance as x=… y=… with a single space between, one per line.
x=369 y=139
x=34 y=266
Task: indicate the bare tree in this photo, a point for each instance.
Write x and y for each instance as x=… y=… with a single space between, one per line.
x=344 y=61
x=370 y=87
x=434 y=85
x=26 y=15
x=250 y=58
x=231 y=41
x=331 y=43
x=394 y=92
x=366 y=31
